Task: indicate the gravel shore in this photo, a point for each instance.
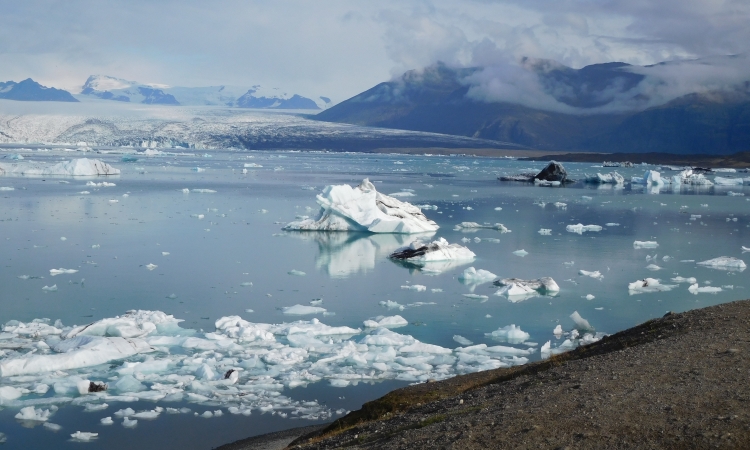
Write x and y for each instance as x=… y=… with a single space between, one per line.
x=676 y=382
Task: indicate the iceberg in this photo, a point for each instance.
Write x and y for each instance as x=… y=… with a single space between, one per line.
x=79 y=167
x=648 y=285
x=581 y=323
x=362 y=208
x=61 y=271
x=474 y=226
x=695 y=289
x=301 y=310
x=544 y=285
x=721 y=181
x=421 y=253
x=581 y=228
x=511 y=334
x=607 y=178
x=386 y=322
x=474 y=276
x=724 y=263
x=650 y=178
x=645 y=244
x=595 y=274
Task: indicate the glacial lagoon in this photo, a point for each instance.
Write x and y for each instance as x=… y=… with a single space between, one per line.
x=198 y=236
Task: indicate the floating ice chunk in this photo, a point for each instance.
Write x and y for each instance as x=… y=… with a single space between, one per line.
x=721 y=181
x=745 y=249
x=74 y=167
x=690 y=280
x=164 y=253
x=148 y=415
x=151 y=266
x=84 y=436
x=52 y=426
x=204 y=191
x=581 y=323
x=415 y=287
x=607 y=178
x=390 y=304
x=521 y=253
x=402 y=194
x=558 y=331
x=61 y=271
x=81 y=351
x=298 y=273
x=7 y=188
x=106 y=421
x=545 y=231
x=645 y=244
x=694 y=289
x=476 y=277
x=516 y=291
x=422 y=254
x=589 y=297
x=301 y=310
x=476 y=296
x=510 y=333
x=544 y=285
x=128 y=423
x=125 y=412
x=387 y=322
x=653 y=267
x=32 y=414
x=462 y=340
x=252 y=165
x=595 y=274
x=648 y=285
x=102 y=184
x=9 y=393
x=90 y=407
x=473 y=226
x=362 y=208
x=52 y=288
x=581 y=228
x=198 y=169
x=185 y=191
x=724 y=263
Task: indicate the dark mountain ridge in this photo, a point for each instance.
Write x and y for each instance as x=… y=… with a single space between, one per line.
x=29 y=90
x=440 y=99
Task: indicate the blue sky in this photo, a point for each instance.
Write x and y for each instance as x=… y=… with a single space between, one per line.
x=339 y=48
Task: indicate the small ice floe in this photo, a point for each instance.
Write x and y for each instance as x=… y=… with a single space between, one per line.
x=83 y=436
x=611 y=224
x=90 y=407
x=151 y=266
x=517 y=290
x=690 y=280
x=362 y=208
x=521 y=253
x=745 y=249
x=589 y=297
x=415 y=287
x=474 y=226
x=129 y=423
x=498 y=208
x=581 y=323
x=52 y=288
x=428 y=207
x=735 y=194
x=650 y=178
x=61 y=271
x=107 y=421
x=483 y=298
x=648 y=285
x=586 y=197
x=252 y=165
x=297 y=273
x=607 y=178
x=724 y=263
x=560 y=205
x=390 y=304
x=653 y=267
x=581 y=228
x=645 y=244
x=476 y=277
x=198 y=169
x=511 y=334
x=33 y=415
x=595 y=274
x=722 y=181
x=695 y=289
x=462 y=340
x=386 y=322
x=114 y=201
x=164 y=253
x=545 y=231
x=204 y=191
x=102 y=184
x=301 y=310
x=52 y=426
x=7 y=188
x=437 y=255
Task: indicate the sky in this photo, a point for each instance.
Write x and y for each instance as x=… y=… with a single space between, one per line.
x=339 y=48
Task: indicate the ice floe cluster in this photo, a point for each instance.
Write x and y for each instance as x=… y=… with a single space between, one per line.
x=241 y=365
x=363 y=208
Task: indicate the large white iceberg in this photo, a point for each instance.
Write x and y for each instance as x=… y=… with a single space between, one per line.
x=362 y=208
x=78 y=167
x=607 y=178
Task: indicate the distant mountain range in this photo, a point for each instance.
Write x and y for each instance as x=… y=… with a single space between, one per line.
x=613 y=107
x=30 y=90
x=111 y=88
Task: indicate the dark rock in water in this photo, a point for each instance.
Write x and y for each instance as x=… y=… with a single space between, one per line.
x=97 y=387
x=553 y=172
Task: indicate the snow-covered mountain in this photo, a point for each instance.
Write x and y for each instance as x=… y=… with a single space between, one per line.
x=111 y=88
x=29 y=90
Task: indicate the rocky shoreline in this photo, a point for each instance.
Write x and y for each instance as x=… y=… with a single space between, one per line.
x=675 y=382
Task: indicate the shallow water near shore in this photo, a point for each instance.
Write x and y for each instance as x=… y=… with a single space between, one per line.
x=219 y=242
